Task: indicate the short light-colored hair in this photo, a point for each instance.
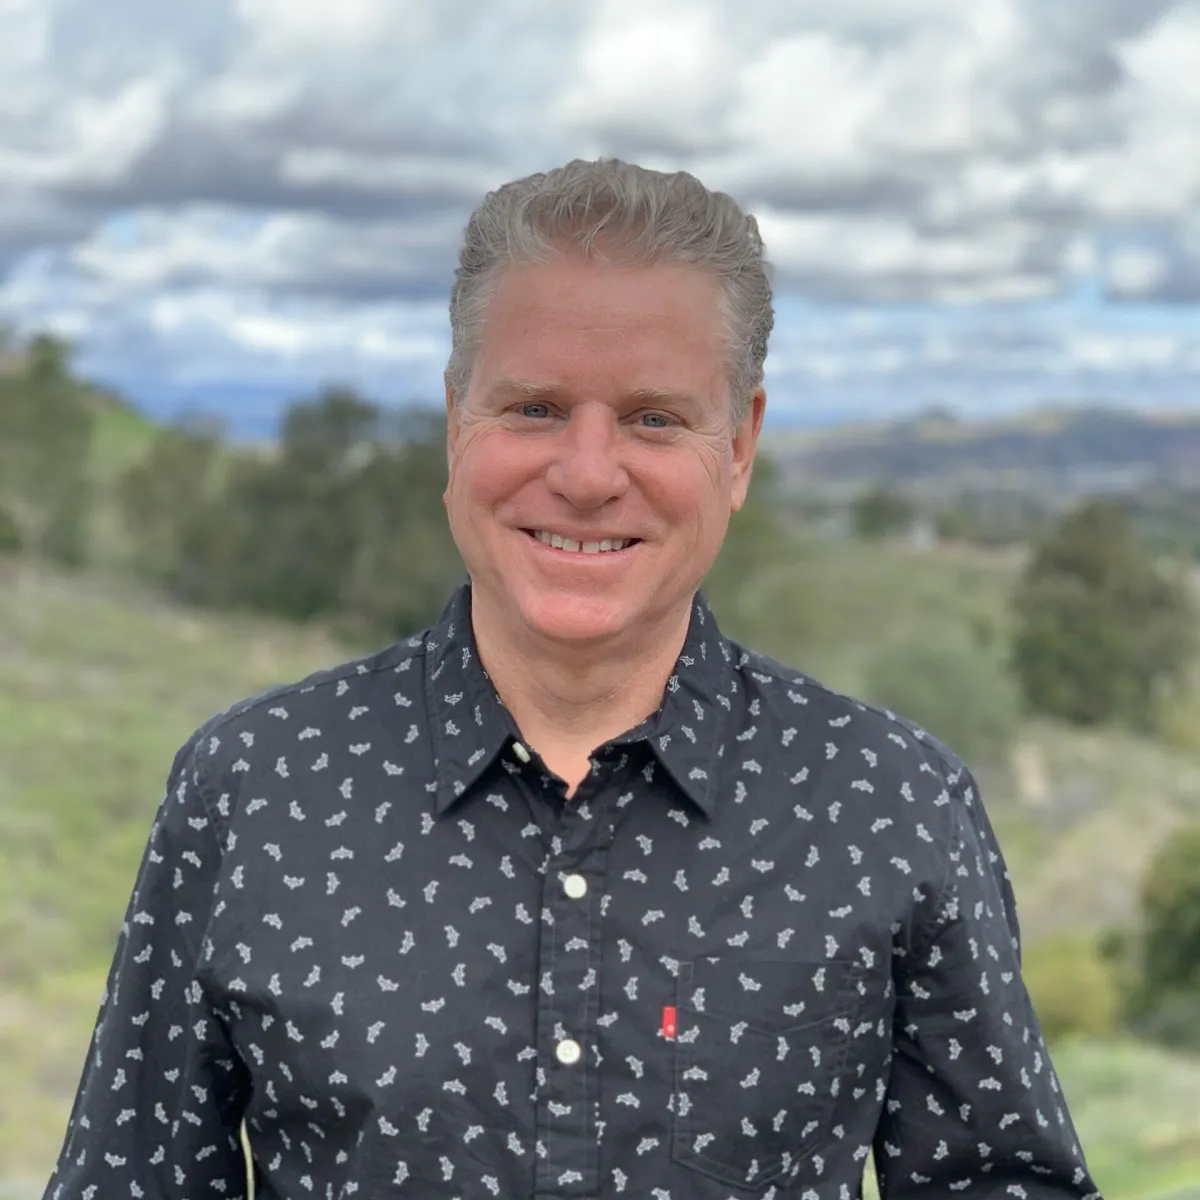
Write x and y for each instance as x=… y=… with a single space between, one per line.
x=616 y=211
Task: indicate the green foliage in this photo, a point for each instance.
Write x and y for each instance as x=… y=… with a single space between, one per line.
x=46 y=420
x=163 y=497
x=1179 y=716
x=957 y=692
x=343 y=521
x=1157 y=961
x=1171 y=916
x=882 y=512
x=957 y=524
x=1099 y=629
x=1173 y=1021
x=10 y=535
x=1135 y=1109
x=756 y=539
x=405 y=562
x=1073 y=987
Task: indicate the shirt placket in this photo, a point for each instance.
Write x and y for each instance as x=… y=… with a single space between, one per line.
x=568 y=993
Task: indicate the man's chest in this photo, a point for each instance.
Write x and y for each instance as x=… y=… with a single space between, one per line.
x=538 y=981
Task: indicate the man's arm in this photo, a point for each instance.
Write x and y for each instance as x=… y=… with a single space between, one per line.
x=973 y=1098
x=159 y=1105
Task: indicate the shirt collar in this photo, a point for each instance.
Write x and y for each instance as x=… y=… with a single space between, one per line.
x=470 y=724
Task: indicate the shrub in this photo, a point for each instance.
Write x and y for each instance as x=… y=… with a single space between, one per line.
x=1173 y=1022
x=10 y=535
x=882 y=512
x=1178 y=716
x=960 y=694
x=1099 y=630
x=1073 y=988
x=1158 y=961
x=1170 y=903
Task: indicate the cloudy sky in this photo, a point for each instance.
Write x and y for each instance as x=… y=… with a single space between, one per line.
x=988 y=204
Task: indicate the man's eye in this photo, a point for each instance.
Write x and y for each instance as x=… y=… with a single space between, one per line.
x=656 y=420
x=535 y=409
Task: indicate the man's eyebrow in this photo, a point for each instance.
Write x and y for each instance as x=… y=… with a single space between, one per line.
x=523 y=387
x=533 y=390
x=659 y=395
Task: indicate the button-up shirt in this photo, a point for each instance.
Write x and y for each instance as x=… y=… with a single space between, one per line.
x=770 y=931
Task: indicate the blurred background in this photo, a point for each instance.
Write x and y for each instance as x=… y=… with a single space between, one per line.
x=227 y=236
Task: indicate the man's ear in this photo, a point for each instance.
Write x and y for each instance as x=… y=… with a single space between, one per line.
x=451 y=418
x=745 y=444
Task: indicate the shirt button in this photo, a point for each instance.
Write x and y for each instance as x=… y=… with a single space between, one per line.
x=575 y=886
x=568 y=1052
x=521 y=752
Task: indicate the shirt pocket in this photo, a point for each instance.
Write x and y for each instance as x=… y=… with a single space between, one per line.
x=761 y=1048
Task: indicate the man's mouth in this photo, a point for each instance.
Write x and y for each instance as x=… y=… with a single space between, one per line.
x=571 y=546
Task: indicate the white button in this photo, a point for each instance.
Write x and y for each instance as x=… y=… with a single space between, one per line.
x=520 y=751
x=575 y=886
x=568 y=1052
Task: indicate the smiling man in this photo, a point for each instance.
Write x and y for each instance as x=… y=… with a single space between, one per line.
x=569 y=895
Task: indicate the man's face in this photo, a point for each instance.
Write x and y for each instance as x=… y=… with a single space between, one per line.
x=598 y=412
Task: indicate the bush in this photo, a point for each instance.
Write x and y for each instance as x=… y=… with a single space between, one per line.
x=1073 y=988
x=1170 y=903
x=960 y=694
x=1158 y=961
x=1173 y=1022
x=1099 y=630
x=882 y=512
x=1178 y=717
x=10 y=535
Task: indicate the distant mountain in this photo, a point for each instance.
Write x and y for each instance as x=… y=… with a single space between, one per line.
x=1060 y=449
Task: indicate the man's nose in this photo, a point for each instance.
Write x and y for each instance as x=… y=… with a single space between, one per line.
x=588 y=468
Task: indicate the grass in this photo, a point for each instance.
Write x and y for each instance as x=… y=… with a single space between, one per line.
x=1137 y=1112
x=100 y=683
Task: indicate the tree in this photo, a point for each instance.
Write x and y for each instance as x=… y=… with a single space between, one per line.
x=282 y=534
x=46 y=424
x=1170 y=903
x=1099 y=629
x=162 y=498
x=342 y=520
x=405 y=563
x=1159 y=960
x=882 y=512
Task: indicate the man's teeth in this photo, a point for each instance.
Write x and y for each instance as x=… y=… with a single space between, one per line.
x=562 y=543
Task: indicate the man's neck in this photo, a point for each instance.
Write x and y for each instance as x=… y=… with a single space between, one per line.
x=567 y=700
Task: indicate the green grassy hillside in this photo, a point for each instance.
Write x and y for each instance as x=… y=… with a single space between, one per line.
x=100 y=683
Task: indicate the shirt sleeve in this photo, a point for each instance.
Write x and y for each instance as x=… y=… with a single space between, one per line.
x=973 y=1100
x=158 y=1110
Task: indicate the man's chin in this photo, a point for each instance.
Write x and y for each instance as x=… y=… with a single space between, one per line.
x=576 y=621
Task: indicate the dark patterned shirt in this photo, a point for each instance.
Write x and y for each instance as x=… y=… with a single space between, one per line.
x=770 y=930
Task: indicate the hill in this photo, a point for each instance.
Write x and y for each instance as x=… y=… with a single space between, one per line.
x=100 y=683
x=1060 y=449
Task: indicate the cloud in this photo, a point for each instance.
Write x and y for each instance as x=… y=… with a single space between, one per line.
x=298 y=163
x=286 y=253
x=940 y=119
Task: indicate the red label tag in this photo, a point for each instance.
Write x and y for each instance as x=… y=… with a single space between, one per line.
x=668 y=1024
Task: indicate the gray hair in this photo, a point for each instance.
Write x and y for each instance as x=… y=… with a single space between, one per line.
x=646 y=217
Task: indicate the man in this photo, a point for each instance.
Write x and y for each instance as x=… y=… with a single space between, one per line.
x=570 y=896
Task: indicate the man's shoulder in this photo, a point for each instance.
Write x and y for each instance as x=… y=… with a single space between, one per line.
x=791 y=695
x=313 y=698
